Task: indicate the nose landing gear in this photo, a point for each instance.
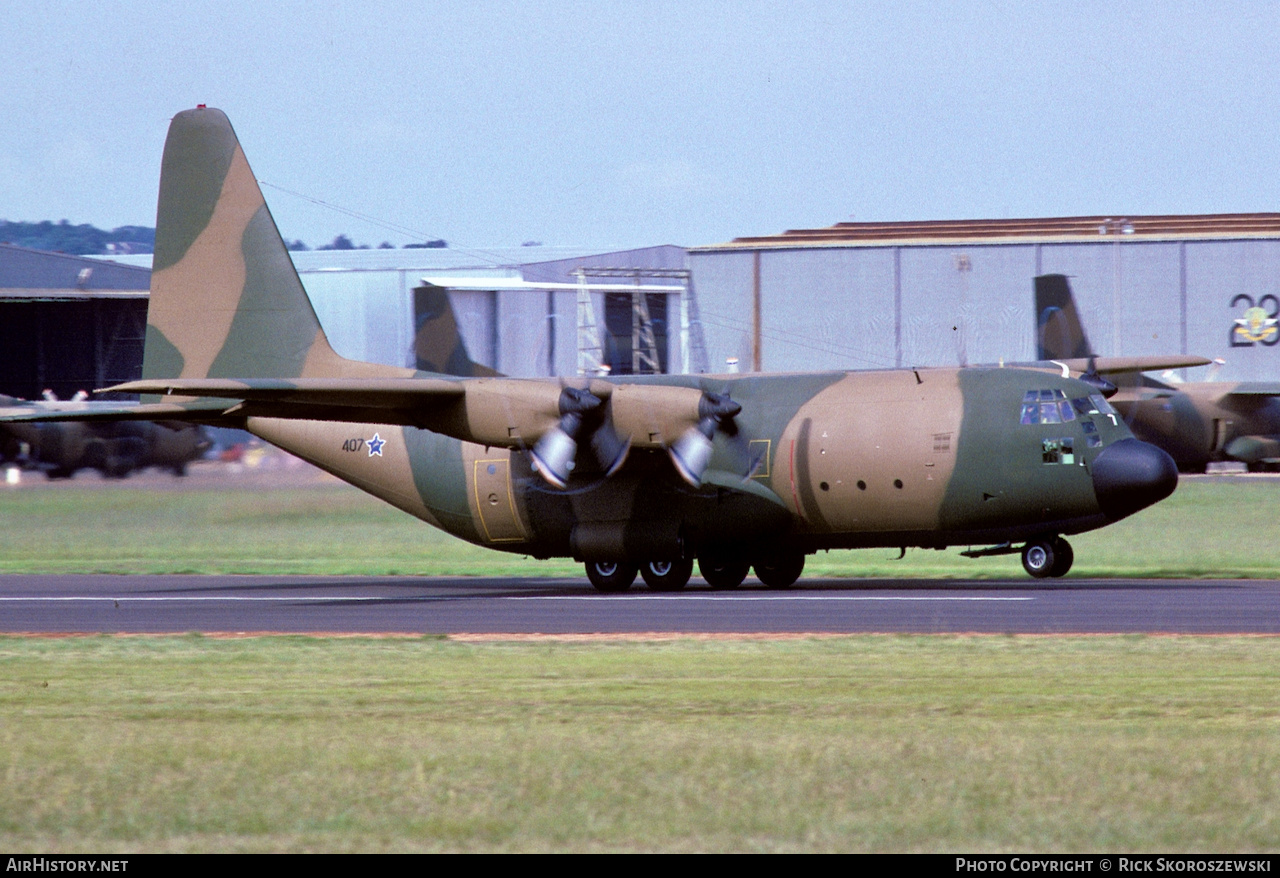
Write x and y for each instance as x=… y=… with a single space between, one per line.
x=1047 y=557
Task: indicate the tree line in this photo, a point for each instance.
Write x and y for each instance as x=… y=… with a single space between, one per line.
x=88 y=240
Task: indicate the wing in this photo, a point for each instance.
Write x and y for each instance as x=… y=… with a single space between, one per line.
x=543 y=416
x=1125 y=365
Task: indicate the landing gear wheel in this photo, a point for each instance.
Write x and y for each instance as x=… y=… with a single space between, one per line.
x=1063 y=556
x=611 y=576
x=667 y=575
x=780 y=571
x=1039 y=556
x=721 y=573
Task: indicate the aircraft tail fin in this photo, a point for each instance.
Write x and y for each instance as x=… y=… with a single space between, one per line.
x=437 y=341
x=1059 y=333
x=226 y=301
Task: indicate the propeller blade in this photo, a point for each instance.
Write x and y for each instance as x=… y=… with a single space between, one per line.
x=1091 y=376
x=583 y=417
x=691 y=453
x=553 y=455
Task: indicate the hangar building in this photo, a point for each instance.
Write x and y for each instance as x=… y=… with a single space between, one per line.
x=876 y=295
x=68 y=323
x=520 y=310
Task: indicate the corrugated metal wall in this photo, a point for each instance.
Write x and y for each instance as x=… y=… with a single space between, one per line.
x=940 y=304
x=364 y=300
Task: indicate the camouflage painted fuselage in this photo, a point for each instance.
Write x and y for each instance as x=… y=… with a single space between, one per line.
x=930 y=458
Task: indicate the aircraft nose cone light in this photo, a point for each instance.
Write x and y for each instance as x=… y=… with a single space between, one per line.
x=1130 y=475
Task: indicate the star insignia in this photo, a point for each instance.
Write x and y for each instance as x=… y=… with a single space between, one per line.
x=375 y=445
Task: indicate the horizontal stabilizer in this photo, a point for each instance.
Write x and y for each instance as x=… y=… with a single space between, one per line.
x=200 y=411
x=401 y=401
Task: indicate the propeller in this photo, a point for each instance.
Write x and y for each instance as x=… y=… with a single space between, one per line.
x=1091 y=376
x=692 y=451
x=580 y=409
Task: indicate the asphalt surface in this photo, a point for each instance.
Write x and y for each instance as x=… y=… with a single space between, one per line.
x=438 y=605
x=429 y=605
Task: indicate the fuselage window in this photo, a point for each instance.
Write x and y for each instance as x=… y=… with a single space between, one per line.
x=1091 y=437
x=1059 y=450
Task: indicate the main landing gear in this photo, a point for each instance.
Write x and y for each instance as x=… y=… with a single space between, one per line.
x=1047 y=557
x=721 y=572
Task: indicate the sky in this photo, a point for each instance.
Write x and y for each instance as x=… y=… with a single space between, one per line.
x=607 y=124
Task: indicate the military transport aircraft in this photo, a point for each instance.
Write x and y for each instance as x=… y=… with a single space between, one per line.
x=626 y=474
x=1195 y=422
x=114 y=449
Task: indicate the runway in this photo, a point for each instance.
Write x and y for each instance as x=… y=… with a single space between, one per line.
x=430 y=605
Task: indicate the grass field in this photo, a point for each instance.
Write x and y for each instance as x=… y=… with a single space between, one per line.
x=1208 y=528
x=873 y=743
x=863 y=743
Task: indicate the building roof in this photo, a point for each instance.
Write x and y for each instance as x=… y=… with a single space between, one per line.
x=469 y=259
x=1079 y=228
x=38 y=275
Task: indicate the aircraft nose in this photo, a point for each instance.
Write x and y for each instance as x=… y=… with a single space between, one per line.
x=1130 y=475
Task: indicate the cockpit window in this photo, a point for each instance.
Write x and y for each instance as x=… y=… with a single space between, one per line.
x=1046 y=407
x=1093 y=404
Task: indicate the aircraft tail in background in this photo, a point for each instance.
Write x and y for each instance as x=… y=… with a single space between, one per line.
x=1059 y=332
x=437 y=341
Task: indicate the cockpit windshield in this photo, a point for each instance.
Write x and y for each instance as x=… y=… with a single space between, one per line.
x=1093 y=404
x=1047 y=407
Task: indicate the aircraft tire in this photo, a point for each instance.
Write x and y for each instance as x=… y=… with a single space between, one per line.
x=722 y=573
x=1063 y=557
x=117 y=467
x=666 y=575
x=611 y=577
x=780 y=571
x=1039 y=556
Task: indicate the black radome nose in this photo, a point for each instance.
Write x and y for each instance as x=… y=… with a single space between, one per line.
x=1131 y=475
